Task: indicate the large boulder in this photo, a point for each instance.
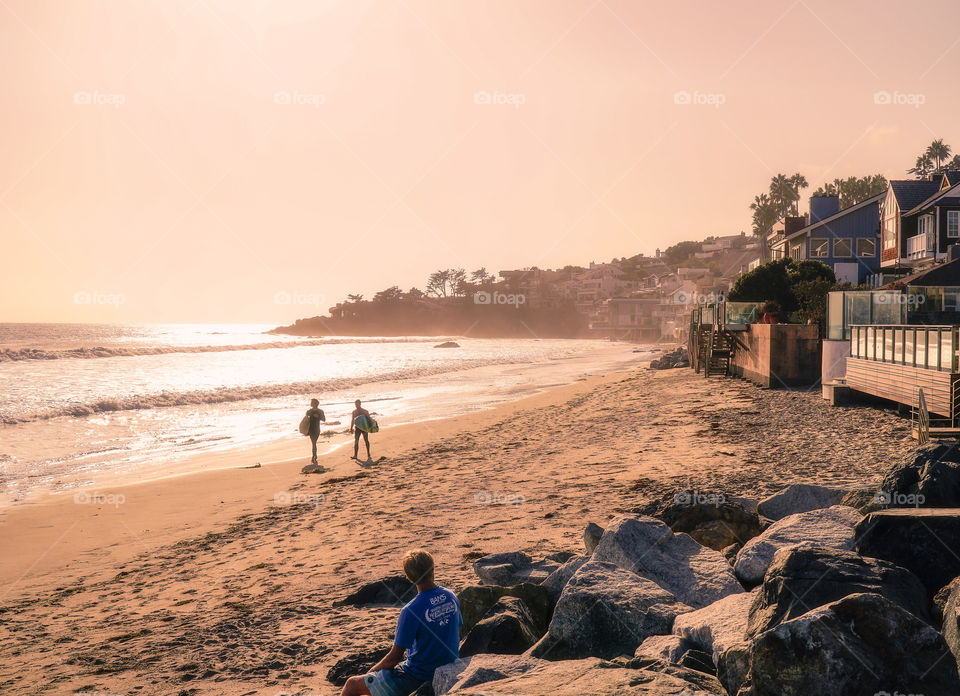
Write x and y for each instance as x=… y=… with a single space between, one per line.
x=713 y=520
x=593 y=677
x=512 y=568
x=928 y=478
x=355 y=663
x=507 y=629
x=803 y=578
x=832 y=527
x=605 y=611
x=394 y=591
x=670 y=648
x=923 y=541
x=591 y=537
x=696 y=575
x=559 y=578
x=717 y=627
x=799 y=497
x=479 y=669
x=477 y=600
x=861 y=644
x=948 y=606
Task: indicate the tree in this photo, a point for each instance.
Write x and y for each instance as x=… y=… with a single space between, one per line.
x=953 y=164
x=923 y=167
x=391 y=294
x=680 y=252
x=765 y=215
x=481 y=277
x=415 y=294
x=797 y=287
x=769 y=281
x=437 y=283
x=355 y=298
x=853 y=190
x=938 y=151
x=782 y=195
x=798 y=182
x=458 y=282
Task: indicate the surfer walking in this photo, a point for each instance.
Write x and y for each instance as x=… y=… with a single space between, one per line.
x=360 y=424
x=315 y=414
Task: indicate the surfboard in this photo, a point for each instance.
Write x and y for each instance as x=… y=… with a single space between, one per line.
x=366 y=424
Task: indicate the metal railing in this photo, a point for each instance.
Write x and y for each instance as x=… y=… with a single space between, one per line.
x=929 y=347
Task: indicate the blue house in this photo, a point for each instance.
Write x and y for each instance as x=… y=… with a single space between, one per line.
x=846 y=240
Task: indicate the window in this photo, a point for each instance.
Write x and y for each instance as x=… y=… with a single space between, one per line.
x=953 y=223
x=819 y=248
x=866 y=247
x=842 y=248
x=925 y=224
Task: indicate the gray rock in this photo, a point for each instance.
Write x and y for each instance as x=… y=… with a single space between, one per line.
x=832 y=527
x=593 y=677
x=713 y=520
x=605 y=611
x=696 y=575
x=928 y=478
x=394 y=590
x=920 y=540
x=479 y=669
x=801 y=579
x=799 y=497
x=733 y=665
x=670 y=648
x=591 y=537
x=717 y=627
x=512 y=568
x=507 y=629
x=861 y=644
x=558 y=579
x=948 y=605
x=477 y=600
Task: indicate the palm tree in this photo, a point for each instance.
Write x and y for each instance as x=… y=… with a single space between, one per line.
x=797 y=182
x=781 y=194
x=923 y=167
x=938 y=151
x=954 y=164
x=765 y=215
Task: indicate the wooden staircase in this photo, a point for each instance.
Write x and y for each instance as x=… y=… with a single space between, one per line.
x=717 y=352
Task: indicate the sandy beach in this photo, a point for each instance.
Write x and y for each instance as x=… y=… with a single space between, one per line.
x=224 y=582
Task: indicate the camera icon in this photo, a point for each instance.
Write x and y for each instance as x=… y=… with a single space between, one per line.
x=682 y=498
x=282 y=498
x=482 y=97
x=482 y=297
x=81 y=498
x=82 y=297
x=282 y=298
x=282 y=97
x=482 y=498
x=82 y=98
x=682 y=97
x=882 y=97
x=882 y=498
x=682 y=297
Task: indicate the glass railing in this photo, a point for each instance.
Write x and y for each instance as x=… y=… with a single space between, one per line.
x=851 y=307
x=742 y=312
x=929 y=347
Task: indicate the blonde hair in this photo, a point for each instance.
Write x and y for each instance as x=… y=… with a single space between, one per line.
x=418 y=566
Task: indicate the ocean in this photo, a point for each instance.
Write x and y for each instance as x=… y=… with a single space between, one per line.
x=85 y=400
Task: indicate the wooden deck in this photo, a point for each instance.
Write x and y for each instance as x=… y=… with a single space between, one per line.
x=901 y=383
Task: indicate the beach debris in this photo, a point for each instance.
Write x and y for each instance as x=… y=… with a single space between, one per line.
x=717 y=627
x=799 y=497
x=641 y=677
x=920 y=540
x=394 y=591
x=355 y=663
x=800 y=579
x=696 y=575
x=508 y=628
x=480 y=669
x=861 y=644
x=512 y=568
x=447 y=344
x=313 y=469
x=832 y=527
x=605 y=611
x=928 y=478
x=591 y=536
x=477 y=600
x=712 y=519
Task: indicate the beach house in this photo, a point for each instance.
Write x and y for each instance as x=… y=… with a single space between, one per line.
x=920 y=219
x=846 y=240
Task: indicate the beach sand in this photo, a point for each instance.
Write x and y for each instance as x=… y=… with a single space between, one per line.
x=223 y=582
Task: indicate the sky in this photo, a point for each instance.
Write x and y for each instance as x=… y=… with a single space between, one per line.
x=256 y=161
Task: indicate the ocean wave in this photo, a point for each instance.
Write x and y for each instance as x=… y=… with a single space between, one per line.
x=18 y=354
x=220 y=396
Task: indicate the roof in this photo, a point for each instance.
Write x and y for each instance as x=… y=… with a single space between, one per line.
x=946 y=193
x=836 y=216
x=912 y=192
x=941 y=275
x=953 y=176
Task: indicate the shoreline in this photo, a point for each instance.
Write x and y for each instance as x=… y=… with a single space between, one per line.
x=211 y=582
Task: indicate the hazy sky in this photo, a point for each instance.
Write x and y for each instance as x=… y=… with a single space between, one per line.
x=256 y=161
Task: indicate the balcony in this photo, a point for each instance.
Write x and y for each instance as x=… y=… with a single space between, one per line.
x=920 y=247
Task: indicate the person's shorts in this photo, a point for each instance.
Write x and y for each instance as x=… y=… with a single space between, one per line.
x=391 y=682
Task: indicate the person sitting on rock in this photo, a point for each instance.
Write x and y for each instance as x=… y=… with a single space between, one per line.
x=428 y=631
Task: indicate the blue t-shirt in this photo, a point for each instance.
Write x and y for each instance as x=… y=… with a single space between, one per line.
x=429 y=630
